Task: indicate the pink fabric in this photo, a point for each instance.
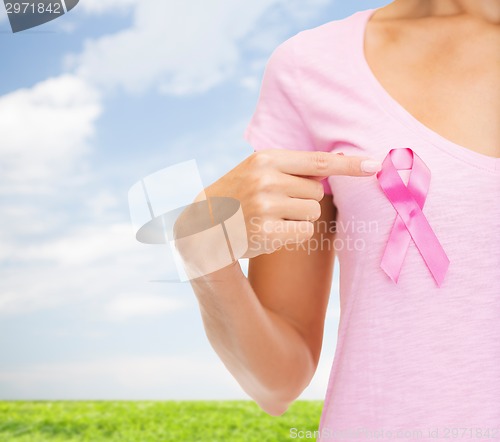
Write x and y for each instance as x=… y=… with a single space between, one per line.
x=410 y=356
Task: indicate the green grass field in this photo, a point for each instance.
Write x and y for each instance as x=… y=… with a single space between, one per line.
x=203 y=421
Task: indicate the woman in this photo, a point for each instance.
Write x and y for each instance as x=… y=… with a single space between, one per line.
x=414 y=358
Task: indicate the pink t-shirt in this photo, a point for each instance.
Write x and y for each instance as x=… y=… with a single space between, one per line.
x=411 y=357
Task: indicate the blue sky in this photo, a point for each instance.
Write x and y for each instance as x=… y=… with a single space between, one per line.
x=89 y=104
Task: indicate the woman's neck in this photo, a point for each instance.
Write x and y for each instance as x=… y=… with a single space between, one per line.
x=486 y=10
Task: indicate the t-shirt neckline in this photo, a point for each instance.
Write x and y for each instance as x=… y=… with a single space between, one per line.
x=393 y=107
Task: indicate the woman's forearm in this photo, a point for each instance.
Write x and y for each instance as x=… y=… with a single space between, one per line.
x=265 y=354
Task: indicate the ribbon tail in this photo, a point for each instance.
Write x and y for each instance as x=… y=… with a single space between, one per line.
x=429 y=247
x=395 y=250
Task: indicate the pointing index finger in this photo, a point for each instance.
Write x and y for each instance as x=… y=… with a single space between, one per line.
x=321 y=164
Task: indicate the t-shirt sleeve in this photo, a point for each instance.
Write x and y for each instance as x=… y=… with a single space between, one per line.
x=277 y=122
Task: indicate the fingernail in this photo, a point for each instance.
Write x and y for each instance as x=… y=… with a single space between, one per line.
x=370 y=166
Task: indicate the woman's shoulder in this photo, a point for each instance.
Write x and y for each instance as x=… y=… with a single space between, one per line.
x=330 y=33
x=332 y=40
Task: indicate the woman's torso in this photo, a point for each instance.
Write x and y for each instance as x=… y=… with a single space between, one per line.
x=410 y=356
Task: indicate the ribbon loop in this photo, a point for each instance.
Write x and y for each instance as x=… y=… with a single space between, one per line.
x=410 y=222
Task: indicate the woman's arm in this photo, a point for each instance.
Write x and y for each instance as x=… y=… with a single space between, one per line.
x=268 y=329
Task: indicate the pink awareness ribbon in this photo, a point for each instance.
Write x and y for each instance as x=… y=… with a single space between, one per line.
x=410 y=221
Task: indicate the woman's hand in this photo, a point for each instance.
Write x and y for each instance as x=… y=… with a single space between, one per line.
x=279 y=192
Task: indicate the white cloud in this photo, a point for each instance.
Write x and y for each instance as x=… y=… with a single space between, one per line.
x=183 y=47
x=124 y=377
x=251 y=83
x=68 y=27
x=3 y=12
x=127 y=306
x=107 y=6
x=88 y=263
x=102 y=203
x=45 y=131
x=173 y=377
x=85 y=246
